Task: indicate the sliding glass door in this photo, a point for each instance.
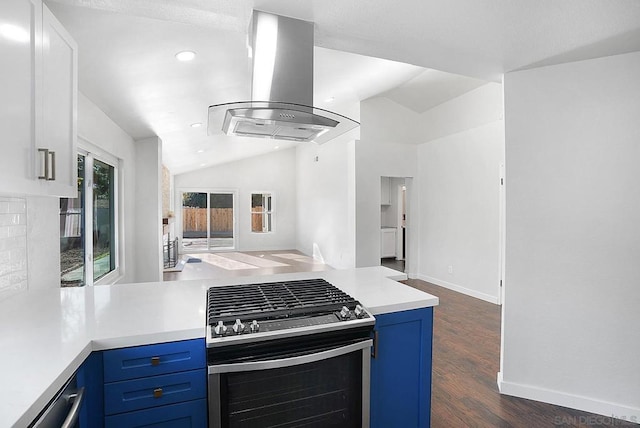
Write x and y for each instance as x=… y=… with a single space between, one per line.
x=208 y=221
x=88 y=244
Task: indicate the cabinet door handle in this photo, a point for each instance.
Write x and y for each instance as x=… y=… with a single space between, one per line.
x=45 y=161
x=155 y=361
x=374 y=348
x=53 y=166
x=157 y=393
x=49 y=160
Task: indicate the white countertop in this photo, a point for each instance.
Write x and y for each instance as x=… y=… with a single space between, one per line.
x=46 y=335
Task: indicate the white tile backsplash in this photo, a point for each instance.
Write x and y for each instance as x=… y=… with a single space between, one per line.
x=13 y=246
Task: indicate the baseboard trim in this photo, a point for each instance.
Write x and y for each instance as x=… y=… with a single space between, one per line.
x=459 y=289
x=604 y=408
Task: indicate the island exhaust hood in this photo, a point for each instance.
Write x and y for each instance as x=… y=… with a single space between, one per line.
x=282 y=88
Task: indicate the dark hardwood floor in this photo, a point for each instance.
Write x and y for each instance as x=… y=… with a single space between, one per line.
x=466 y=359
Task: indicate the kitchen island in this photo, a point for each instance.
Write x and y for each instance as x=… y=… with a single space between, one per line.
x=45 y=336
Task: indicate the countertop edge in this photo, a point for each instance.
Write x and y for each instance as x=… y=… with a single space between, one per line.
x=422 y=304
x=105 y=344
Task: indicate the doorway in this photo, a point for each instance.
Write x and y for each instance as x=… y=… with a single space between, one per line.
x=208 y=221
x=393 y=223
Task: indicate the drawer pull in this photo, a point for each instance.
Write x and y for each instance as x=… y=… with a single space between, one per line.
x=157 y=393
x=155 y=361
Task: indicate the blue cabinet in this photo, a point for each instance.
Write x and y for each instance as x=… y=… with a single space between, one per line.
x=401 y=369
x=190 y=414
x=90 y=377
x=156 y=385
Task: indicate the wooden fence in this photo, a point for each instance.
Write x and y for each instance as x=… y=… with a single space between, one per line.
x=195 y=220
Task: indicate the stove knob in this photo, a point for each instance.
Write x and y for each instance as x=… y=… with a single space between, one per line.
x=254 y=327
x=345 y=313
x=238 y=327
x=220 y=329
x=359 y=311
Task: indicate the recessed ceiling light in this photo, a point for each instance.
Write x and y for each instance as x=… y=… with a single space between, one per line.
x=196 y=125
x=203 y=164
x=185 y=55
x=200 y=151
x=276 y=147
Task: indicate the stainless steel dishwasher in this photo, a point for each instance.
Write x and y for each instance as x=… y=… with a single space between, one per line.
x=64 y=409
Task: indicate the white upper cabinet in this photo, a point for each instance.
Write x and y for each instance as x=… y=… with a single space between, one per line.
x=59 y=107
x=38 y=107
x=20 y=47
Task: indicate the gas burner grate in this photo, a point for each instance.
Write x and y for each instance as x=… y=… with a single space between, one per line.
x=273 y=300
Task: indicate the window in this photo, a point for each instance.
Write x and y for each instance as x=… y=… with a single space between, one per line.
x=261 y=212
x=86 y=258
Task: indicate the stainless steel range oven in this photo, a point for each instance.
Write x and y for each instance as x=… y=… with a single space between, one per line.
x=287 y=354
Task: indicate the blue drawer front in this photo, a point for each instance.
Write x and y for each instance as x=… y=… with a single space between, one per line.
x=151 y=360
x=192 y=414
x=136 y=394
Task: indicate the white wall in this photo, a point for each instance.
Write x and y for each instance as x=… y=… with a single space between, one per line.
x=101 y=132
x=273 y=172
x=325 y=201
x=459 y=211
x=148 y=210
x=389 y=133
x=459 y=176
x=572 y=285
x=384 y=120
x=468 y=111
x=375 y=160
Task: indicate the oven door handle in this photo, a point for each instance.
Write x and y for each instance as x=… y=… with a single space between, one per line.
x=291 y=361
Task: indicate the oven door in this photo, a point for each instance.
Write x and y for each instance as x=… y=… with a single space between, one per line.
x=319 y=387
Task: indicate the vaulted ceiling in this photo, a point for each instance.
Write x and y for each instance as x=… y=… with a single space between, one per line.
x=418 y=53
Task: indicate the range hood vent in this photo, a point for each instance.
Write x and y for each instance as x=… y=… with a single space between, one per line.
x=282 y=88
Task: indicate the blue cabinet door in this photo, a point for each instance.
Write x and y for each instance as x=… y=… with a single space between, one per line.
x=401 y=370
x=90 y=376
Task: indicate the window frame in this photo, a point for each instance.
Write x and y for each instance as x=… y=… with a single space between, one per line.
x=180 y=221
x=266 y=213
x=92 y=153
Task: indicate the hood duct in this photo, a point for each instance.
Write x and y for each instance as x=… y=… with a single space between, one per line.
x=281 y=89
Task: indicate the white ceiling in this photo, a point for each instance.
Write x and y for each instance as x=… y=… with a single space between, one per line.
x=364 y=49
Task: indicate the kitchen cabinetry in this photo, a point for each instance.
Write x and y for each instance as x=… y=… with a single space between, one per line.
x=401 y=369
x=90 y=376
x=59 y=108
x=38 y=108
x=388 y=242
x=385 y=191
x=156 y=384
